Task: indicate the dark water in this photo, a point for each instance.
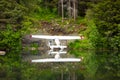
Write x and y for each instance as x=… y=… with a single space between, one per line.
x=96 y=65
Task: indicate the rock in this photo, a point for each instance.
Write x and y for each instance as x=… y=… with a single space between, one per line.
x=2 y=52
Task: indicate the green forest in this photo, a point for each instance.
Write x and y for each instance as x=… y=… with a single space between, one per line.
x=97 y=20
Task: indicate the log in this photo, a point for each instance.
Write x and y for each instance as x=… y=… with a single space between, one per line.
x=2 y=52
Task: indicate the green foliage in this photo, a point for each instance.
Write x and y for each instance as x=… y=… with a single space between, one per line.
x=93 y=35
x=10 y=40
x=10 y=66
x=43 y=14
x=107 y=20
x=77 y=45
x=35 y=48
x=11 y=11
x=84 y=5
x=40 y=9
x=19 y=17
x=28 y=73
x=11 y=17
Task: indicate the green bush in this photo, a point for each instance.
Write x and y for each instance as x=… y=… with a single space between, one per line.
x=107 y=20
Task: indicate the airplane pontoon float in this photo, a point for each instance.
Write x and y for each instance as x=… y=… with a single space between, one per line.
x=53 y=43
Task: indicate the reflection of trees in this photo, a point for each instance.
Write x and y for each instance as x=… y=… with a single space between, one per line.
x=52 y=71
x=109 y=65
x=104 y=65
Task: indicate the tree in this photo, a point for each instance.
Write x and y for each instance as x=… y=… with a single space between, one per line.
x=11 y=15
x=68 y=8
x=107 y=20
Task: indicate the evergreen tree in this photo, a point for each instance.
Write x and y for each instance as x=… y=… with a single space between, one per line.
x=107 y=20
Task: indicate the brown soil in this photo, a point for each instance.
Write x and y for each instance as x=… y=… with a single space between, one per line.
x=54 y=28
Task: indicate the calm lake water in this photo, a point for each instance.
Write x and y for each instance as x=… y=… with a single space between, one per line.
x=96 y=65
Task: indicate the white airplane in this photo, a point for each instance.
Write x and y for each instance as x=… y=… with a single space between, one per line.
x=54 y=42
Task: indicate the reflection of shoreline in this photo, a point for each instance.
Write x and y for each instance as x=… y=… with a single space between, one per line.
x=34 y=48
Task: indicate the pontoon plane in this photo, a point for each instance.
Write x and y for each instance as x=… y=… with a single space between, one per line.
x=55 y=42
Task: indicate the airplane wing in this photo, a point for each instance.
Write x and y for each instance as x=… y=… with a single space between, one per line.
x=57 y=37
x=57 y=60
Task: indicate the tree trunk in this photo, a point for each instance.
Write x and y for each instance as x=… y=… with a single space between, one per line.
x=61 y=74
x=69 y=7
x=74 y=10
x=62 y=10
